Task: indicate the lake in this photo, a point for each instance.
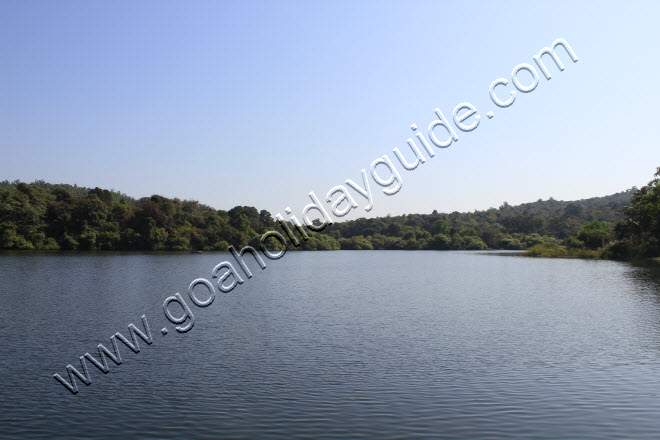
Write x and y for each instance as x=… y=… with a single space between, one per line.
x=346 y=344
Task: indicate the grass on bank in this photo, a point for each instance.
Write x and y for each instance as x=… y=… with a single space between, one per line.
x=563 y=252
x=615 y=251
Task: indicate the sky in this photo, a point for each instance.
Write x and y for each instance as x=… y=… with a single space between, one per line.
x=259 y=103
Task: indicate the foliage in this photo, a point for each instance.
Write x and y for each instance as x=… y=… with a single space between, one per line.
x=509 y=227
x=638 y=234
x=540 y=250
x=46 y=216
x=41 y=215
x=593 y=234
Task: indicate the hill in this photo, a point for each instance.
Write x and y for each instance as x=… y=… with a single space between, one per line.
x=509 y=227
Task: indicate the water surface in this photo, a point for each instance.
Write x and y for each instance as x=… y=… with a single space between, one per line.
x=359 y=344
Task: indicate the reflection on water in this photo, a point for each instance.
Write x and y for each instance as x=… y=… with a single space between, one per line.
x=385 y=344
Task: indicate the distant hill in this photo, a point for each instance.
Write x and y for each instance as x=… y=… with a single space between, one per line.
x=606 y=208
x=508 y=227
x=553 y=212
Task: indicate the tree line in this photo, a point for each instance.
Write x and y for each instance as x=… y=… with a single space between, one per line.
x=41 y=215
x=46 y=216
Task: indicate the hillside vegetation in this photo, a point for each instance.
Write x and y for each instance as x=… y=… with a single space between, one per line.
x=509 y=227
x=41 y=215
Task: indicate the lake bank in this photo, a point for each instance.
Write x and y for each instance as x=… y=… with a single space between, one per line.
x=607 y=253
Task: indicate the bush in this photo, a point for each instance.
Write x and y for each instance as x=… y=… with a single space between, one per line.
x=51 y=244
x=220 y=246
x=439 y=242
x=562 y=252
x=355 y=243
x=574 y=243
x=594 y=233
x=474 y=243
x=618 y=251
x=512 y=243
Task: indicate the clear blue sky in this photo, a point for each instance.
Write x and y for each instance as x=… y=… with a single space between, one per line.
x=257 y=103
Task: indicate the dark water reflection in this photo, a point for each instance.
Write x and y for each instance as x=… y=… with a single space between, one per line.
x=336 y=345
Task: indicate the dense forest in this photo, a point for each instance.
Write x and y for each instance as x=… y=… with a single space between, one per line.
x=41 y=215
x=509 y=227
x=46 y=216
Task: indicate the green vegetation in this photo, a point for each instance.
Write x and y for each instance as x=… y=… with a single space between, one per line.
x=562 y=252
x=549 y=223
x=635 y=236
x=46 y=216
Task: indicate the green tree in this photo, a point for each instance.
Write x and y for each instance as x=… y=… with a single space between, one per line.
x=440 y=227
x=594 y=234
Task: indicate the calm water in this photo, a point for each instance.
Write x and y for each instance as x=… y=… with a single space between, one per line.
x=344 y=344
